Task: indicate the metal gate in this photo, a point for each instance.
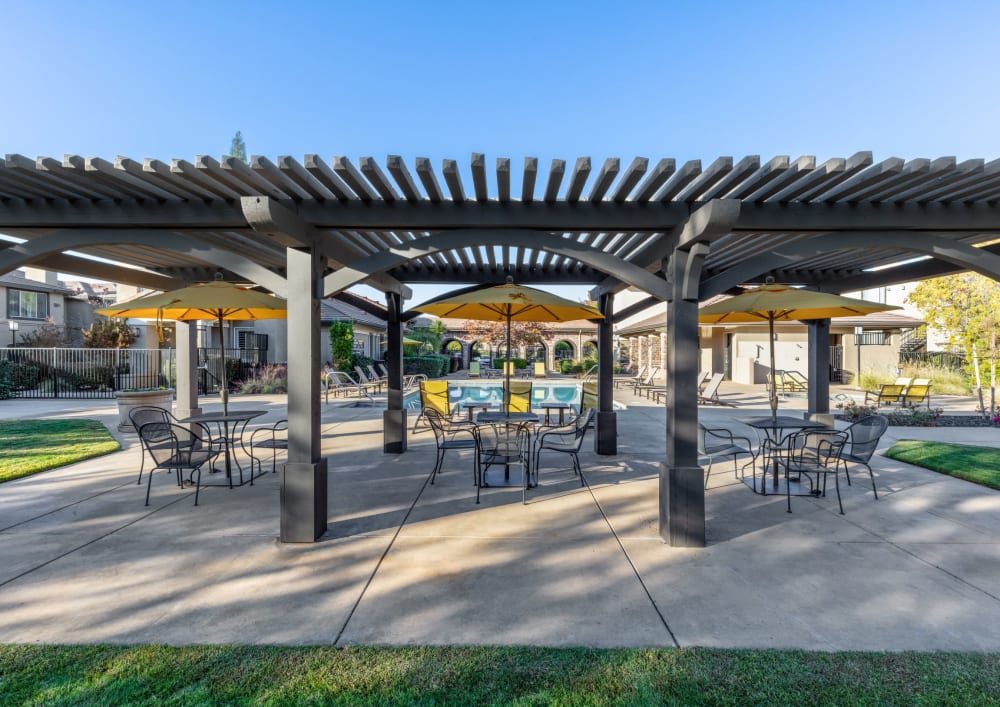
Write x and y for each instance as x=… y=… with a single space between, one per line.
x=84 y=373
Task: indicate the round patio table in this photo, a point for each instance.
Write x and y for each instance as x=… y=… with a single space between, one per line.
x=773 y=428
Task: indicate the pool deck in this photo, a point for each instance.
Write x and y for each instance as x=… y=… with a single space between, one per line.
x=403 y=562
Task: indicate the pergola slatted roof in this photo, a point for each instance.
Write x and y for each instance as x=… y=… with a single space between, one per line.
x=362 y=210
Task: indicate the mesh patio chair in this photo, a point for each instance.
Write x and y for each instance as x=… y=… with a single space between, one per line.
x=145 y=414
x=517 y=398
x=863 y=439
x=448 y=434
x=566 y=439
x=273 y=437
x=176 y=448
x=719 y=442
x=812 y=454
x=434 y=395
x=504 y=444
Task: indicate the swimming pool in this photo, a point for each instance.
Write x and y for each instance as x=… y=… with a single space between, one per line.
x=493 y=393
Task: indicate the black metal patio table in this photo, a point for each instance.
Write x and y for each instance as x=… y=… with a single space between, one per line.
x=229 y=427
x=773 y=428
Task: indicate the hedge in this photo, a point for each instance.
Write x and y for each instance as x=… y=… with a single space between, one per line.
x=431 y=365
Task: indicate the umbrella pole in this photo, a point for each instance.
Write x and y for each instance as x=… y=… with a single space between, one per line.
x=225 y=383
x=774 y=377
x=506 y=368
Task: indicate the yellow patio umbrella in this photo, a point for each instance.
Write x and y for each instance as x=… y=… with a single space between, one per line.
x=509 y=303
x=207 y=301
x=781 y=303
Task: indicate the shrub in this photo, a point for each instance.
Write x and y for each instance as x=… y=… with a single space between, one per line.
x=362 y=361
x=431 y=365
x=6 y=383
x=855 y=411
x=270 y=379
x=519 y=363
x=342 y=345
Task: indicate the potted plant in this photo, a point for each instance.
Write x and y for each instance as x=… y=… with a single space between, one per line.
x=131 y=398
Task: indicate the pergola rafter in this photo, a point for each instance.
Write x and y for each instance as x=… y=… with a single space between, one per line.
x=306 y=228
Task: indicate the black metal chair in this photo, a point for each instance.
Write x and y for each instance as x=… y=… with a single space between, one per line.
x=144 y=415
x=503 y=443
x=566 y=439
x=172 y=447
x=273 y=437
x=863 y=439
x=448 y=434
x=812 y=454
x=720 y=442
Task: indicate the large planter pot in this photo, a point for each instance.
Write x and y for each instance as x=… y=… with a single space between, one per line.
x=129 y=400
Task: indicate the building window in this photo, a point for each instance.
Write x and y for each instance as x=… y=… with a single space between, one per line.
x=23 y=304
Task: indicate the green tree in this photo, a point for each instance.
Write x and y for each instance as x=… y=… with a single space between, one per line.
x=238 y=148
x=342 y=345
x=967 y=308
x=432 y=336
x=108 y=334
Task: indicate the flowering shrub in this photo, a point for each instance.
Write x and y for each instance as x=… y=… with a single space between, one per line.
x=854 y=410
x=271 y=379
x=915 y=417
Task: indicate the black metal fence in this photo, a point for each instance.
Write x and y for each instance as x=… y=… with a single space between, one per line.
x=241 y=365
x=85 y=373
x=944 y=359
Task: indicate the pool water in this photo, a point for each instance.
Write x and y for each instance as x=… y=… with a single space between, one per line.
x=493 y=393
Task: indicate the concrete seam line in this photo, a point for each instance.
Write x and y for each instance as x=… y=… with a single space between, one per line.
x=926 y=562
x=381 y=559
x=628 y=558
x=94 y=540
x=68 y=505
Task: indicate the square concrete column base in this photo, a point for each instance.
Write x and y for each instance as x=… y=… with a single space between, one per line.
x=606 y=433
x=682 y=506
x=303 y=501
x=394 y=431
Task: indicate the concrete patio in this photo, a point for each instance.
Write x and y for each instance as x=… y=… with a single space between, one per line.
x=82 y=560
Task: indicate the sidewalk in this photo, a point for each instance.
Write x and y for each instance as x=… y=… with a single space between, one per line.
x=404 y=562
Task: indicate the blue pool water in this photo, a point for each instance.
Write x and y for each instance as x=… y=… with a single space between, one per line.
x=493 y=393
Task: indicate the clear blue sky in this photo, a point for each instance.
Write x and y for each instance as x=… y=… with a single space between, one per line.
x=547 y=79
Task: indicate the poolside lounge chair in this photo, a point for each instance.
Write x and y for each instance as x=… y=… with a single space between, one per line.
x=375 y=385
x=919 y=391
x=473 y=369
x=647 y=381
x=631 y=380
x=341 y=383
x=711 y=394
x=793 y=381
x=658 y=395
x=540 y=369
x=888 y=393
x=376 y=377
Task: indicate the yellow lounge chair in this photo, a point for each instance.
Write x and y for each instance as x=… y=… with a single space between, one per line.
x=919 y=391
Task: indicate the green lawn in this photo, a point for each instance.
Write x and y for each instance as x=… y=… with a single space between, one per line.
x=269 y=675
x=980 y=465
x=30 y=446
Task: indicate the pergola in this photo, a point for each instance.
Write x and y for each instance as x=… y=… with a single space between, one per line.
x=309 y=229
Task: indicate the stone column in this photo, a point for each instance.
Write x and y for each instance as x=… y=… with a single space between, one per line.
x=186 y=335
